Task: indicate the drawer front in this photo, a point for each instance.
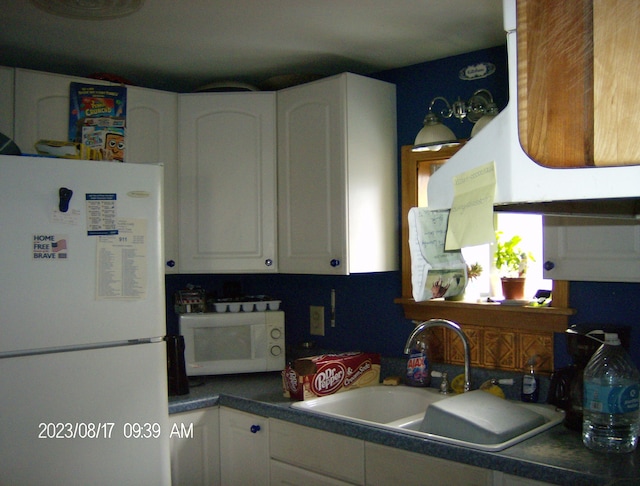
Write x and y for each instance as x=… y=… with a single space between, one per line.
x=315 y=450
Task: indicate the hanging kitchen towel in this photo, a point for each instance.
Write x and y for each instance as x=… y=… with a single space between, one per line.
x=434 y=272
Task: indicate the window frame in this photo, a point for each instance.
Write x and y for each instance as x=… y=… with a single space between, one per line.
x=515 y=323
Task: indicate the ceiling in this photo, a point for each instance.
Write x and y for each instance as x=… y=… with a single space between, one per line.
x=181 y=45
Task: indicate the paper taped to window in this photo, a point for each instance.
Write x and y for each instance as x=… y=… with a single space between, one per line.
x=435 y=272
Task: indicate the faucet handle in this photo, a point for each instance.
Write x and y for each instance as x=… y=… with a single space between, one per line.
x=444 y=384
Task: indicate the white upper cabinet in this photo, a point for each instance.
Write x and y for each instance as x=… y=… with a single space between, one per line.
x=227 y=174
x=6 y=101
x=337 y=177
x=42 y=112
x=152 y=118
x=591 y=249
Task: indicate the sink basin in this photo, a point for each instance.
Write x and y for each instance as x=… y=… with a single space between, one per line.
x=374 y=404
x=402 y=409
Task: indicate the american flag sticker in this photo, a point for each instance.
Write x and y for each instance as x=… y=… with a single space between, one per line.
x=50 y=247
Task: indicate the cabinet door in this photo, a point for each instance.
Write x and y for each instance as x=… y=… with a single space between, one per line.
x=244 y=448
x=194 y=444
x=337 y=177
x=315 y=450
x=503 y=479
x=311 y=178
x=387 y=465
x=287 y=475
x=227 y=182
x=152 y=129
x=591 y=249
x=42 y=112
x=42 y=107
x=6 y=101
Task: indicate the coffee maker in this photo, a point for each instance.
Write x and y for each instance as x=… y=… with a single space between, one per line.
x=565 y=390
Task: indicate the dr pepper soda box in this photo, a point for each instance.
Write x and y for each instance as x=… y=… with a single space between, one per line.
x=326 y=374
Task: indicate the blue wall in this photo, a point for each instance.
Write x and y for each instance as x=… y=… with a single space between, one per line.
x=367 y=319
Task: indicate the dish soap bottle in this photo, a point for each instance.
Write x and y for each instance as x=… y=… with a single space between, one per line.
x=611 y=410
x=418 y=363
x=530 y=386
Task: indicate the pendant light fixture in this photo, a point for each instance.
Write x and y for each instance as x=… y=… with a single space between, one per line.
x=480 y=109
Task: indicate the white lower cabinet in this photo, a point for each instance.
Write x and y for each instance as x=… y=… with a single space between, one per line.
x=305 y=456
x=244 y=448
x=287 y=475
x=387 y=465
x=194 y=444
x=230 y=447
x=502 y=479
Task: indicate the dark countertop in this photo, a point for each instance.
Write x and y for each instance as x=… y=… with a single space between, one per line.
x=556 y=456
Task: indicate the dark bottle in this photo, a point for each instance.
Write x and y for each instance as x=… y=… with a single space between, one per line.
x=530 y=384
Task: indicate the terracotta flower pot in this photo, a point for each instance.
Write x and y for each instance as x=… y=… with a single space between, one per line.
x=513 y=288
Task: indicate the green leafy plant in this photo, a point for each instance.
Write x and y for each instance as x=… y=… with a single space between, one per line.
x=474 y=271
x=509 y=258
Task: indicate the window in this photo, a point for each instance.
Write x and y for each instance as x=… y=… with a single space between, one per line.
x=529 y=227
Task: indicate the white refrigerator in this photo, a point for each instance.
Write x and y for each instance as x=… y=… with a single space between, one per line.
x=83 y=377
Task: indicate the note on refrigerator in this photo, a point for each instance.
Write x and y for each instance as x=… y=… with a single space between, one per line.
x=122 y=262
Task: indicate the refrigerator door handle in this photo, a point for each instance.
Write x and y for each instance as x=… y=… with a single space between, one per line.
x=84 y=347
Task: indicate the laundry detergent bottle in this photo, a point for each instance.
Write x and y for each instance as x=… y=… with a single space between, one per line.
x=418 y=372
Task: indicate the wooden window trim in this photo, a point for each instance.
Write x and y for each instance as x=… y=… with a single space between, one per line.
x=415 y=171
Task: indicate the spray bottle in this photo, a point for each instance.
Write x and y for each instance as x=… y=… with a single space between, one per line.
x=418 y=373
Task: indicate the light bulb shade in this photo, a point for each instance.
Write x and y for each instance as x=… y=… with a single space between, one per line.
x=434 y=135
x=481 y=123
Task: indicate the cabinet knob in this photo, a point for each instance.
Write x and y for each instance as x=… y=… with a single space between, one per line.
x=171 y=263
x=549 y=265
x=254 y=429
x=335 y=262
x=268 y=262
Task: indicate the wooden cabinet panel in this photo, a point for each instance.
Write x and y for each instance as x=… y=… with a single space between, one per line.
x=578 y=64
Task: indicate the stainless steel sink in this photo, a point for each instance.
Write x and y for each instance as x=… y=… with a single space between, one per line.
x=402 y=409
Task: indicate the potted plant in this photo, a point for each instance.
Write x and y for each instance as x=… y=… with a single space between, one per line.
x=512 y=263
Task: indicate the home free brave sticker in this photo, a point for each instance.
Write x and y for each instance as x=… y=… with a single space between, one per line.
x=50 y=247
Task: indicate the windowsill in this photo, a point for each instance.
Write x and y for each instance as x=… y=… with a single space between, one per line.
x=552 y=319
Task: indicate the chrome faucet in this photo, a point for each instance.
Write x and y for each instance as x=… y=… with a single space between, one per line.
x=455 y=328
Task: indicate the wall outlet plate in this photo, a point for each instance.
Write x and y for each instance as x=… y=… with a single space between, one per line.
x=316 y=318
